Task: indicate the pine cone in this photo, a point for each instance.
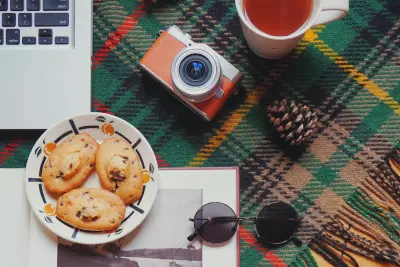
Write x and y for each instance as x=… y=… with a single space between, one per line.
x=294 y=123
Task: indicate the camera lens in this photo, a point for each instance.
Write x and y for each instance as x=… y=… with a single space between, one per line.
x=196 y=73
x=195 y=70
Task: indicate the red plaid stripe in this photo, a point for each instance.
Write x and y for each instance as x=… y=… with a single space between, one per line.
x=270 y=256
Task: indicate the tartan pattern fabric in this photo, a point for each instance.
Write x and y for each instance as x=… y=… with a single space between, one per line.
x=348 y=69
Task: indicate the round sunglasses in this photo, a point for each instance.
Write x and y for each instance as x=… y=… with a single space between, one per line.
x=275 y=224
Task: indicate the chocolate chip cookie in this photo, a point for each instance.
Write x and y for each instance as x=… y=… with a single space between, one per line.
x=70 y=164
x=119 y=169
x=92 y=209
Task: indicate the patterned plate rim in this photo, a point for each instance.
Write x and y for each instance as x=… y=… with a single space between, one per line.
x=118 y=232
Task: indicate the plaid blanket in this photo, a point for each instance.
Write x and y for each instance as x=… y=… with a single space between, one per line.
x=348 y=69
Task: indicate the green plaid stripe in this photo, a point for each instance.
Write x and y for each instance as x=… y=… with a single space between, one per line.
x=359 y=129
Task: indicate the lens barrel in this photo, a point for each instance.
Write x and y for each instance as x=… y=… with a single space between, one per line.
x=196 y=73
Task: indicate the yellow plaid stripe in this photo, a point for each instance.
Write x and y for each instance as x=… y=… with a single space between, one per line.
x=252 y=99
x=357 y=75
x=255 y=96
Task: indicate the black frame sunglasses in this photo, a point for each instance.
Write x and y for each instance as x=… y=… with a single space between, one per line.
x=276 y=223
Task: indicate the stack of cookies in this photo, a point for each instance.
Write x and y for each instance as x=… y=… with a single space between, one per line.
x=94 y=209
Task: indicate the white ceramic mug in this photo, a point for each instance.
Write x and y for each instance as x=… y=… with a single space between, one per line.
x=272 y=47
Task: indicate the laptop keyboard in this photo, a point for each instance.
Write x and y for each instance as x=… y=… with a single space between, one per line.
x=27 y=23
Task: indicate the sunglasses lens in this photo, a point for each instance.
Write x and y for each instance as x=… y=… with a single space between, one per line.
x=215 y=231
x=277 y=229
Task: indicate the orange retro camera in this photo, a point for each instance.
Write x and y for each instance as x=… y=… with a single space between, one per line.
x=194 y=73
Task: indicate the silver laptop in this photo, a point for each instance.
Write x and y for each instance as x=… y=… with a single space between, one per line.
x=45 y=61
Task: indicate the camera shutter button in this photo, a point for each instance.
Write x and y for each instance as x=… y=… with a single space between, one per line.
x=188 y=36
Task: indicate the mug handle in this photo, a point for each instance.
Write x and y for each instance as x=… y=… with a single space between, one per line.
x=332 y=10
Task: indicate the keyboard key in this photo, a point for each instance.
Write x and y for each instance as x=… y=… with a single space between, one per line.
x=3 y=5
x=1 y=36
x=45 y=33
x=33 y=5
x=12 y=36
x=62 y=40
x=51 y=19
x=9 y=20
x=29 y=40
x=45 y=40
x=17 y=5
x=25 y=19
x=55 y=5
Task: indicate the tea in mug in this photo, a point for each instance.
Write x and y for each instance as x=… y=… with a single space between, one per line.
x=278 y=17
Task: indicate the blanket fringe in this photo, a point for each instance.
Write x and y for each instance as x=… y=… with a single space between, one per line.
x=369 y=222
x=308 y=258
x=304 y=259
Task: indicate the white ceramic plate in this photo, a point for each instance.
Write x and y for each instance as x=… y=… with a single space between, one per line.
x=100 y=126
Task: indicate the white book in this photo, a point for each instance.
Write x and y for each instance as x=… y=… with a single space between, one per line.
x=161 y=240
